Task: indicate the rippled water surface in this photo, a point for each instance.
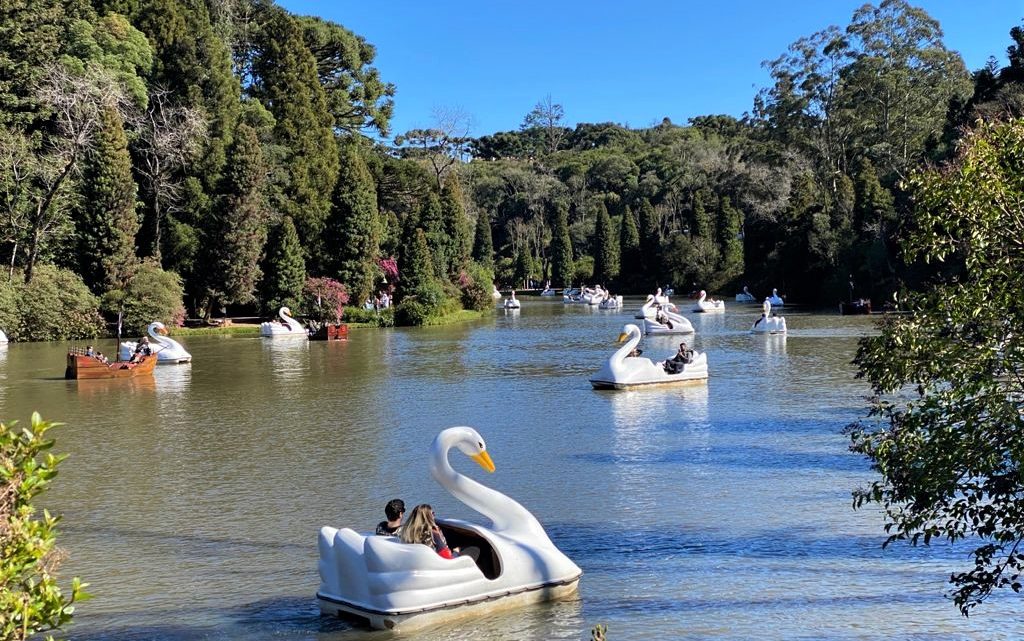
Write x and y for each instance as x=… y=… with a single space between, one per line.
x=191 y=502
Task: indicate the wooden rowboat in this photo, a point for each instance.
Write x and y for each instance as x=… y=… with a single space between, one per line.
x=83 y=367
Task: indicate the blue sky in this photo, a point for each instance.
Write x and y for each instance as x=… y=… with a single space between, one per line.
x=632 y=63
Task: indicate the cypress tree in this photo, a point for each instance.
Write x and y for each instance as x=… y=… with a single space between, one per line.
x=650 y=241
x=352 y=237
x=432 y=223
x=239 y=224
x=291 y=90
x=523 y=266
x=108 y=222
x=483 y=246
x=729 y=222
x=629 y=250
x=606 y=251
x=284 y=270
x=418 y=267
x=561 y=247
x=456 y=225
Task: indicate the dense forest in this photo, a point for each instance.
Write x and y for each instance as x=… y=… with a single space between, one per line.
x=168 y=157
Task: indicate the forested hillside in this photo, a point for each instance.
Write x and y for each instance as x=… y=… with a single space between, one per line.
x=168 y=157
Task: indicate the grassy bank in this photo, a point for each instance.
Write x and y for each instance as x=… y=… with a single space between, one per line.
x=460 y=316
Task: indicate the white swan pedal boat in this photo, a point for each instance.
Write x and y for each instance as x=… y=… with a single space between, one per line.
x=512 y=302
x=611 y=302
x=392 y=584
x=288 y=328
x=668 y=320
x=745 y=296
x=707 y=306
x=3 y=337
x=168 y=351
x=768 y=324
x=623 y=371
x=775 y=299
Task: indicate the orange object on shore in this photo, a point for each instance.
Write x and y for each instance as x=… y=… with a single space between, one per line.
x=80 y=366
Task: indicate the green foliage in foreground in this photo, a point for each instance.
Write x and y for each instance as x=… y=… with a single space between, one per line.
x=948 y=438
x=31 y=602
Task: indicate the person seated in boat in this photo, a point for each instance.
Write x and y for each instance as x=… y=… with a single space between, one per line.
x=758 y=321
x=101 y=358
x=678 y=363
x=393 y=511
x=420 y=527
x=88 y=350
x=636 y=352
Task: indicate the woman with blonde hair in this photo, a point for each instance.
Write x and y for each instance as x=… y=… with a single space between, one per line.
x=420 y=527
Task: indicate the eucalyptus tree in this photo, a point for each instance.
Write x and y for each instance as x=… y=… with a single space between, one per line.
x=630 y=263
x=945 y=431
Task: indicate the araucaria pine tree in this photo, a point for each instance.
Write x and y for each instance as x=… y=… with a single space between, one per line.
x=108 y=224
x=284 y=270
x=239 y=223
x=352 y=238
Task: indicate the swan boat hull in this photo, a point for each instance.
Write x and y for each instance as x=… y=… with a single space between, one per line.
x=420 y=608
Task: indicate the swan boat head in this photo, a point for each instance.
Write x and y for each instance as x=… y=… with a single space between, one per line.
x=390 y=583
x=623 y=371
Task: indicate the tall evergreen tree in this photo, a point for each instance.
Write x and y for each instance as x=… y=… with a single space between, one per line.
x=352 y=237
x=239 y=223
x=729 y=225
x=523 y=266
x=456 y=225
x=284 y=270
x=431 y=221
x=417 y=268
x=606 y=251
x=108 y=223
x=629 y=251
x=289 y=87
x=650 y=241
x=561 y=247
x=483 y=246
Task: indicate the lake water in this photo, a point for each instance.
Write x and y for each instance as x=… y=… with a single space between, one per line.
x=192 y=502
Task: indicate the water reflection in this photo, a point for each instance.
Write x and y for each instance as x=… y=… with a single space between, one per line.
x=143 y=386
x=289 y=358
x=773 y=344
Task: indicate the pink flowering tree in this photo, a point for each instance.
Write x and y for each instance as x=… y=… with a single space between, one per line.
x=324 y=299
x=390 y=268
